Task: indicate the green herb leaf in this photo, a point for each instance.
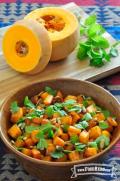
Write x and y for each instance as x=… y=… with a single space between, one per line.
x=29 y=129
x=103 y=125
x=81 y=53
x=14 y=107
x=100 y=41
x=69 y=102
x=95 y=29
x=90 y=20
x=114 y=52
x=82 y=30
x=93 y=144
x=28 y=103
x=50 y=91
x=82 y=125
x=80 y=147
x=103 y=138
x=106 y=113
x=74 y=139
x=50 y=111
x=87 y=117
x=57 y=154
x=65 y=128
x=67 y=151
x=42 y=144
x=50 y=134
x=21 y=120
x=75 y=108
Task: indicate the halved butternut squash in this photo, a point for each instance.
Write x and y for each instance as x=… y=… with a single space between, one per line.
x=62 y=27
x=27 y=46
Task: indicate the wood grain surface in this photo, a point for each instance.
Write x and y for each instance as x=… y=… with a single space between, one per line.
x=70 y=67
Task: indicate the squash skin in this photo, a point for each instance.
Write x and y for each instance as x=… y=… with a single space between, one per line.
x=45 y=43
x=63 y=45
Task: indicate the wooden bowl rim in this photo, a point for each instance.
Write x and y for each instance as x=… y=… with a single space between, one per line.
x=42 y=162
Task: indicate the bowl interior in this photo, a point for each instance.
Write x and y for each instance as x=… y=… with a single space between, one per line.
x=67 y=86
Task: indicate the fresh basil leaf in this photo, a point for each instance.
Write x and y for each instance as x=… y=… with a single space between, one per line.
x=69 y=102
x=50 y=133
x=114 y=52
x=95 y=29
x=49 y=111
x=98 y=62
x=21 y=120
x=35 y=113
x=28 y=103
x=74 y=139
x=82 y=30
x=90 y=20
x=100 y=41
x=19 y=148
x=93 y=144
x=103 y=125
x=103 y=138
x=67 y=151
x=62 y=112
x=106 y=113
x=29 y=129
x=40 y=135
x=87 y=117
x=42 y=144
x=81 y=53
x=50 y=91
x=82 y=125
x=57 y=154
x=80 y=147
x=14 y=107
x=85 y=103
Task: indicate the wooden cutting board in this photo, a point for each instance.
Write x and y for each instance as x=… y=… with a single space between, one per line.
x=70 y=67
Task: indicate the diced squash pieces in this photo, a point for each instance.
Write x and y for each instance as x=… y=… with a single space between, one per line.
x=84 y=137
x=65 y=136
x=14 y=131
x=74 y=156
x=17 y=115
x=50 y=149
x=99 y=117
x=27 y=151
x=47 y=158
x=36 y=153
x=44 y=121
x=106 y=133
x=80 y=99
x=37 y=120
x=48 y=100
x=112 y=121
x=44 y=95
x=95 y=132
x=73 y=131
x=75 y=116
x=29 y=142
x=58 y=141
x=66 y=120
x=62 y=159
x=90 y=152
x=33 y=136
x=19 y=143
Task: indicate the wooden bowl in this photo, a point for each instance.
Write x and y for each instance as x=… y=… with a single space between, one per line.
x=57 y=171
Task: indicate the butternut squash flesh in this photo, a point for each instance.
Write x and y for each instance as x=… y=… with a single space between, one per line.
x=27 y=46
x=62 y=27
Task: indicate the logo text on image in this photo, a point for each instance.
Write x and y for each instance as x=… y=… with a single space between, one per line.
x=93 y=169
